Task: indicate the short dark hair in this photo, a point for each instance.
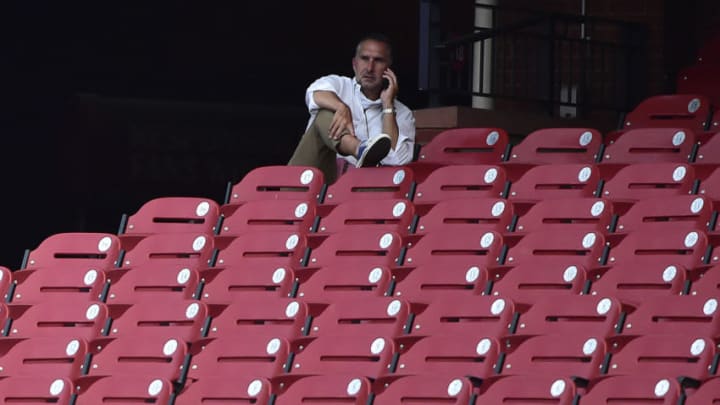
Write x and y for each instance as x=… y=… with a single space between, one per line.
x=377 y=37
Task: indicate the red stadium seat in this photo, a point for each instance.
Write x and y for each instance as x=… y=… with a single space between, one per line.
x=389 y=215
x=358 y=249
x=573 y=355
x=707 y=158
x=460 y=181
x=276 y=183
x=633 y=284
x=461 y=354
x=671 y=110
x=375 y=183
x=124 y=389
x=75 y=249
x=666 y=214
x=296 y=216
x=193 y=250
x=635 y=389
x=386 y=316
x=583 y=214
x=683 y=356
x=235 y=389
x=685 y=247
x=76 y=284
x=37 y=390
x=148 y=283
x=529 y=389
x=473 y=247
x=251 y=355
x=691 y=315
x=276 y=317
x=650 y=145
x=561 y=315
x=528 y=284
x=425 y=284
x=428 y=389
x=264 y=248
x=161 y=356
x=242 y=281
x=332 y=283
x=558 y=249
x=489 y=214
x=58 y=319
x=465 y=146
x=43 y=357
x=555 y=181
x=467 y=315
x=371 y=356
x=557 y=146
x=329 y=388
x=170 y=214
x=187 y=320
x=636 y=182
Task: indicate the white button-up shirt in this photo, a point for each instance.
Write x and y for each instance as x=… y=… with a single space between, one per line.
x=367 y=116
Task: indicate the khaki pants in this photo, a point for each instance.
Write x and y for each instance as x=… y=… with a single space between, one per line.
x=317 y=149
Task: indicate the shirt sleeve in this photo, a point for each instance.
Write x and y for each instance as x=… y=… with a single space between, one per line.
x=332 y=83
x=405 y=147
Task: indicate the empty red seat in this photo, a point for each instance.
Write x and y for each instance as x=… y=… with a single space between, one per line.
x=460 y=354
x=669 y=213
x=586 y=214
x=528 y=283
x=468 y=315
x=43 y=356
x=529 y=389
x=223 y=286
x=358 y=249
x=124 y=389
x=632 y=284
x=75 y=249
x=58 y=319
x=427 y=389
x=556 y=146
x=560 y=315
x=37 y=390
x=374 y=183
x=186 y=319
x=275 y=317
x=647 y=180
x=328 y=388
x=250 y=355
x=193 y=250
x=558 y=249
x=74 y=284
x=460 y=181
x=276 y=183
x=671 y=110
x=332 y=283
x=236 y=389
x=271 y=215
x=472 y=247
x=554 y=181
x=685 y=247
x=636 y=389
x=425 y=283
x=147 y=283
x=691 y=315
x=386 y=316
x=264 y=249
x=489 y=214
x=391 y=215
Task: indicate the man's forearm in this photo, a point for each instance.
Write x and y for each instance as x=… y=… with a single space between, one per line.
x=328 y=100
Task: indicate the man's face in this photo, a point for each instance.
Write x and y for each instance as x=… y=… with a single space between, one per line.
x=369 y=63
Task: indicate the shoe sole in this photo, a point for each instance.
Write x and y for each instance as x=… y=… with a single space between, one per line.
x=375 y=151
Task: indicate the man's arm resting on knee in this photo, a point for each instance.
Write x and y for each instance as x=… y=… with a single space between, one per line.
x=342 y=120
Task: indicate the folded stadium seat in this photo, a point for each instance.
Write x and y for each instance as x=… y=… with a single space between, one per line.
x=459 y=181
x=167 y=215
x=142 y=388
x=691 y=111
x=527 y=283
x=223 y=286
x=187 y=320
x=250 y=355
x=707 y=393
x=87 y=250
x=557 y=249
x=707 y=157
x=390 y=215
x=276 y=317
x=632 y=284
x=685 y=247
x=461 y=146
x=706 y=284
x=684 y=356
x=636 y=389
x=445 y=248
x=297 y=216
x=170 y=250
x=36 y=389
x=690 y=315
x=332 y=283
x=425 y=284
x=58 y=319
x=588 y=214
x=276 y=183
x=371 y=356
x=372 y=183
x=701 y=78
x=554 y=146
x=529 y=389
x=648 y=145
x=328 y=388
x=468 y=355
x=147 y=283
x=264 y=249
x=639 y=181
x=235 y=389
x=77 y=284
x=359 y=249
x=467 y=315
x=554 y=181
x=671 y=213
x=166 y=357
x=59 y=357
x=578 y=356
x=6 y=283
x=486 y=213
x=427 y=389
x=560 y=315
x=709 y=186
x=386 y=316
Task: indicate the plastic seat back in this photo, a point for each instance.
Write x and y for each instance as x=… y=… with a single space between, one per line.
x=671 y=110
x=277 y=183
x=75 y=249
x=373 y=183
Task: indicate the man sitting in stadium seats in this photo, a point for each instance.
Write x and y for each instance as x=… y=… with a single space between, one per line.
x=357 y=118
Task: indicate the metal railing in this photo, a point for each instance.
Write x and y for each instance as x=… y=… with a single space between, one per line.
x=567 y=65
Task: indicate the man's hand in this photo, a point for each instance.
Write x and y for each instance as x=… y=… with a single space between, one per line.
x=342 y=123
x=388 y=95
